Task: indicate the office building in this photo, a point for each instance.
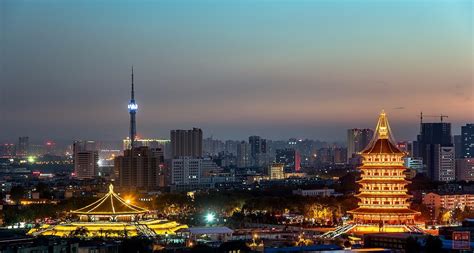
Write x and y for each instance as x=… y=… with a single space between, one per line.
x=432 y=138
x=188 y=173
x=414 y=164
x=290 y=158
x=23 y=146
x=444 y=164
x=140 y=168
x=465 y=169
x=243 y=155
x=357 y=140
x=86 y=159
x=467 y=141
x=163 y=144
x=275 y=171
x=186 y=143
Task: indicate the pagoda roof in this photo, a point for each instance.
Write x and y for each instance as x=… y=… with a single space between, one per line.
x=378 y=195
x=383 y=181
x=393 y=211
x=385 y=167
x=382 y=142
x=110 y=204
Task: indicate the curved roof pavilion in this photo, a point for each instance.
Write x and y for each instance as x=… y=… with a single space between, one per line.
x=110 y=216
x=110 y=205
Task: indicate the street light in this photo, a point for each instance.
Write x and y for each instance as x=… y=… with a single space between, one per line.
x=210 y=217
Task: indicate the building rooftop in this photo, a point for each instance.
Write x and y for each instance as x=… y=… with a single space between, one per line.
x=209 y=230
x=393 y=211
x=110 y=204
x=382 y=142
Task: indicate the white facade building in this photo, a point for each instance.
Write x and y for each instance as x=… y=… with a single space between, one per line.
x=444 y=164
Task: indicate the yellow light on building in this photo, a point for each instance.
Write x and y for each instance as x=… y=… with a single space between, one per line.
x=383 y=199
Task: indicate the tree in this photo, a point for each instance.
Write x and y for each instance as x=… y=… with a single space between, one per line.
x=17 y=192
x=43 y=190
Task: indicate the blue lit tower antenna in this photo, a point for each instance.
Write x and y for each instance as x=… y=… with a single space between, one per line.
x=132 y=109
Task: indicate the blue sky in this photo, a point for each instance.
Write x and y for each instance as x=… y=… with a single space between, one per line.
x=234 y=68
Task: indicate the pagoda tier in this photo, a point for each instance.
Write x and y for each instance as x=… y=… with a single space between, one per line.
x=383 y=193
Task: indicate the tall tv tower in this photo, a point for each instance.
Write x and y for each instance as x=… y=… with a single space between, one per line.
x=132 y=109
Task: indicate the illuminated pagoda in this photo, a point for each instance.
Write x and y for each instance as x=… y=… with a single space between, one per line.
x=384 y=202
x=110 y=216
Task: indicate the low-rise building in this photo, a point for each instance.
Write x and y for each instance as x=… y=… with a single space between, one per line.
x=315 y=192
x=276 y=171
x=397 y=242
x=447 y=201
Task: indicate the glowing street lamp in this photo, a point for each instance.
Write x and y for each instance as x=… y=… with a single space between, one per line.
x=210 y=217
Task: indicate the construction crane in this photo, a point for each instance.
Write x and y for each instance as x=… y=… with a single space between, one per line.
x=441 y=117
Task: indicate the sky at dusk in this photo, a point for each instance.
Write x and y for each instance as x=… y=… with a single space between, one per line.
x=279 y=69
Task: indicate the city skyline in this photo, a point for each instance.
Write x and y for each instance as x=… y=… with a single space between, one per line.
x=237 y=77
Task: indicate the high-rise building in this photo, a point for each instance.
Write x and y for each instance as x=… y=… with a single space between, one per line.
x=457 y=142
x=86 y=159
x=357 y=140
x=383 y=200
x=186 y=143
x=212 y=147
x=258 y=150
x=243 y=155
x=140 y=168
x=186 y=171
x=465 y=169
x=290 y=158
x=7 y=150
x=467 y=141
x=340 y=155
x=444 y=164
x=325 y=155
x=414 y=164
x=231 y=146
x=432 y=138
x=23 y=146
x=163 y=144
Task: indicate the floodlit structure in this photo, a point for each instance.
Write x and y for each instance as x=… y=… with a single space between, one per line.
x=384 y=204
x=383 y=193
x=110 y=216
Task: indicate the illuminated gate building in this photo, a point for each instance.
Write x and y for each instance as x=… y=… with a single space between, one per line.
x=383 y=199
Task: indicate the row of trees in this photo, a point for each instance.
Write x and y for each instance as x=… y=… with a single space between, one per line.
x=263 y=205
